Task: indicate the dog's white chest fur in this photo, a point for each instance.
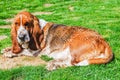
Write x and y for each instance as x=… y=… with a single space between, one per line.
x=42 y=23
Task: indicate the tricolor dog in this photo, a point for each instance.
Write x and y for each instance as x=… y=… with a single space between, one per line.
x=67 y=45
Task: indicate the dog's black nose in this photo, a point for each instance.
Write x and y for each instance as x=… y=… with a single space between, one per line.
x=21 y=37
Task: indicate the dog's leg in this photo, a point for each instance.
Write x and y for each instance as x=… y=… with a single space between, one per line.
x=8 y=53
x=6 y=50
x=29 y=52
x=26 y=52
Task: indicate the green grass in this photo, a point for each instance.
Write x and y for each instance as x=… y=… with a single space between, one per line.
x=46 y=58
x=2 y=22
x=92 y=72
x=5 y=42
x=102 y=16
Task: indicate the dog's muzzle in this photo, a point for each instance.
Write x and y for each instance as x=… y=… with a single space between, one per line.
x=23 y=37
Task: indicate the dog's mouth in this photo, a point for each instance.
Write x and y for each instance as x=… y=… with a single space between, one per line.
x=25 y=45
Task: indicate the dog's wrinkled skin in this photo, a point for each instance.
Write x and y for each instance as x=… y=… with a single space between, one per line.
x=25 y=35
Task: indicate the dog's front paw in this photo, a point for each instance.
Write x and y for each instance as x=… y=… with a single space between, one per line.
x=8 y=53
x=6 y=50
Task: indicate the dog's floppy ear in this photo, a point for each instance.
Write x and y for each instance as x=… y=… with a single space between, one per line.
x=45 y=30
x=16 y=48
x=37 y=32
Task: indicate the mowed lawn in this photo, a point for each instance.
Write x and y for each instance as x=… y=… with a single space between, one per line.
x=102 y=16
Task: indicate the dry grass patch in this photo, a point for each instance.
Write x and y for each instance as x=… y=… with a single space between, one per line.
x=9 y=20
x=48 y=5
x=5 y=26
x=2 y=37
x=71 y=8
x=41 y=13
x=8 y=63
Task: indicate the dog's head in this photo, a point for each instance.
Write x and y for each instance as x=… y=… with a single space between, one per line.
x=25 y=32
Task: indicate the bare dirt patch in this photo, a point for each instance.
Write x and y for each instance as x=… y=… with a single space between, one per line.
x=8 y=63
x=2 y=37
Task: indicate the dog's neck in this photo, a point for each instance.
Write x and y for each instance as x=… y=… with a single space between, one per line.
x=42 y=23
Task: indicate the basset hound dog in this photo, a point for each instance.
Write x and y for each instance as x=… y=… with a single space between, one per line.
x=67 y=45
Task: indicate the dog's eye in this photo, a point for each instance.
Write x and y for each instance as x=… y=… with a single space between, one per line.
x=26 y=24
x=16 y=23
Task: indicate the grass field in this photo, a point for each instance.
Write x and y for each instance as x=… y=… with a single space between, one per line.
x=102 y=16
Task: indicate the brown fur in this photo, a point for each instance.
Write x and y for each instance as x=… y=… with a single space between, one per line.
x=33 y=28
x=16 y=48
x=82 y=42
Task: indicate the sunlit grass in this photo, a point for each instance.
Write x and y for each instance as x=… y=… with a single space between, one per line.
x=102 y=16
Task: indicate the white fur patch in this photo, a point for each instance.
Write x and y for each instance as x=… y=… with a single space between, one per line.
x=26 y=52
x=29 y=52
x=42 y=23
x=82 y=63
x=61 y=59
x=58 y=55
x=101 y=56
x=62 y=55
x=45 y=51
